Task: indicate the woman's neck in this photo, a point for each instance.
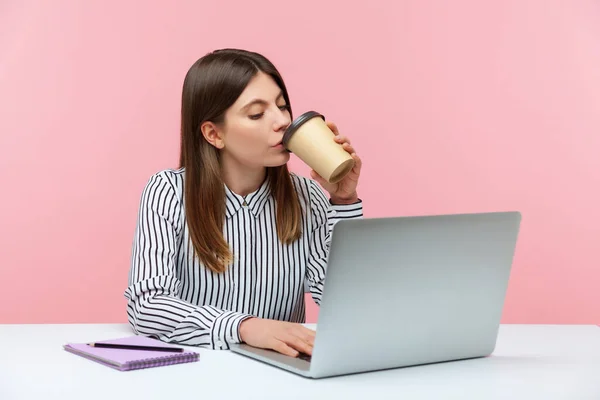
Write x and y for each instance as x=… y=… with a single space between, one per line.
x=240 y=179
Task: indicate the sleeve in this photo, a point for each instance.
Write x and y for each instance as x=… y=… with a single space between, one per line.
x=324 y=217
x=154 y=306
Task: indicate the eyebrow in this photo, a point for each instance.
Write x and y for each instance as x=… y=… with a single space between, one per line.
x=260 y=101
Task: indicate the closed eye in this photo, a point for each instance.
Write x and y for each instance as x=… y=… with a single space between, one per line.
x=258 y=116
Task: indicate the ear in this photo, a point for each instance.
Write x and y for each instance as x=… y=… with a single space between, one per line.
x=212 y=134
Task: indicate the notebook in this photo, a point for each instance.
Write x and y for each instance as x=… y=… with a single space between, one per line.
x=126 y=360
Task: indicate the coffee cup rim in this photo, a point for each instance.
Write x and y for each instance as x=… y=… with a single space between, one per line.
x=297 y=123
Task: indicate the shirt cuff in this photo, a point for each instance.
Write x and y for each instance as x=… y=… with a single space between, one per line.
x=353 y=210
x=226 y=329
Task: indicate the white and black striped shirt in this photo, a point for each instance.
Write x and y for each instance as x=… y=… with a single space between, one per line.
x=172 y=296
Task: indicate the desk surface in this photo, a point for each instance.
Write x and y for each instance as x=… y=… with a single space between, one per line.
x=530 y=362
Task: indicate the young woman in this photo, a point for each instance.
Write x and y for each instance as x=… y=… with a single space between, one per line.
x=224 y=244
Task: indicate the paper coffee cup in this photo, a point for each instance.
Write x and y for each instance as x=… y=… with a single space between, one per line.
x=309 y=137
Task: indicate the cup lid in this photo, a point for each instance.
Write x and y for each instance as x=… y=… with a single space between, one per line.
x=297 y=123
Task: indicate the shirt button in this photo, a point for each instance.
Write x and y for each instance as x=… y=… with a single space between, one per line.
x=220 y=344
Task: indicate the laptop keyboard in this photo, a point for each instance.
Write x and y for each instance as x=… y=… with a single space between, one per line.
x=304 y=357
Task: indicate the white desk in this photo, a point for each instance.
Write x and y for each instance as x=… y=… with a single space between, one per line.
x=530 y=362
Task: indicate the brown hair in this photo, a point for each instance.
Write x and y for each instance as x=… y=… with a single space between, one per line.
x=211 y=86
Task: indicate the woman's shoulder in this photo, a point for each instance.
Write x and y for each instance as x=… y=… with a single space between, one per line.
x=171 y=175
x=168 y=181
x=303 y=183
x=309 y=190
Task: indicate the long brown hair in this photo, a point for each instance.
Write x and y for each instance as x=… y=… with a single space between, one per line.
x=211 y=86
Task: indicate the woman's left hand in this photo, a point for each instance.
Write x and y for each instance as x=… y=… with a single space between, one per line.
x=343 y=192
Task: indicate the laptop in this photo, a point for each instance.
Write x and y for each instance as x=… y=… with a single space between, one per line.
x=408 y=291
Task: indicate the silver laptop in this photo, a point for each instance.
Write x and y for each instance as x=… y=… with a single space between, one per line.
x=408 y=291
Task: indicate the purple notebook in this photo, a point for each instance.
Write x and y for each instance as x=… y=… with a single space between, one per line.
x=126 y=360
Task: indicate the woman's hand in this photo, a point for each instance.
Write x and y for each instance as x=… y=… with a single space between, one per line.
x=343 y=192
x=284 y=337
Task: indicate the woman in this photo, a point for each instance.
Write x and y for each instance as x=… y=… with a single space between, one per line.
x=224 y=244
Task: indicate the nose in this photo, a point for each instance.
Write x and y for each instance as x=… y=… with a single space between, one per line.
x=282 y=121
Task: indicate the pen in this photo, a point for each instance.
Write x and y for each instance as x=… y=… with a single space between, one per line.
x=136 y=347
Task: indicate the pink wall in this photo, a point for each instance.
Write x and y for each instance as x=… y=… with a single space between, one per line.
x=459 y=106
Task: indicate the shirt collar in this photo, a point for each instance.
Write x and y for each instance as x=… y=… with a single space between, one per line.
x=255 y=201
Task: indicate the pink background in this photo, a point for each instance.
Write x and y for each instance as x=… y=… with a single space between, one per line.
x=461 y=106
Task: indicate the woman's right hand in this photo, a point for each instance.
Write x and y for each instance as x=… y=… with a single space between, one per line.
x=284 y=337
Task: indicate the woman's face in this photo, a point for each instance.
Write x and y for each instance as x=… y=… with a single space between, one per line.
x=255 y=124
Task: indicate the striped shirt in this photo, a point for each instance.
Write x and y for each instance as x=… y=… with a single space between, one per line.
x=175 y=298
